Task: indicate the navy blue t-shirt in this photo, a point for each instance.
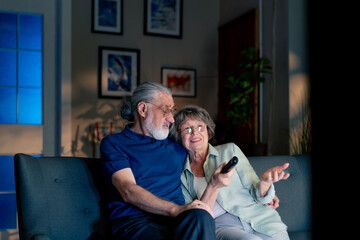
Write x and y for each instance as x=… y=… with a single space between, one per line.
x=156 y=165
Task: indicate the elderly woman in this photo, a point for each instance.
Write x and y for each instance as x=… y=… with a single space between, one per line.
x=241 y=209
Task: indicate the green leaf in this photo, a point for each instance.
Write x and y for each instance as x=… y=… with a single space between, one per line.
x=231 y=79
x=240 y=85
x=265 y=61
x=233 y=100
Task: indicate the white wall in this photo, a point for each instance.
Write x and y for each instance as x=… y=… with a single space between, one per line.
x=197 y=49
x=299 y=85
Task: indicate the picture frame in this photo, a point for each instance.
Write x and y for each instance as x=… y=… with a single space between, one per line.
x=163 y=18
x=119 y=71
x=181 y=81
x=107 y=16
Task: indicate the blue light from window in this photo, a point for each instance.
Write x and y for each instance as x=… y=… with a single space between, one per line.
x=30 y=31
x=30 y=67
x=7 y=211
x=7 y=179
x=8 y=30
x=7 y=105
x=21 y=68
x=30 y=106
x=7 y=67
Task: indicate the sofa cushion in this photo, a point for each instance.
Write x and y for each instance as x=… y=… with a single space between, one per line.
x=300 y=235
x=294 y=193
x=57 y=197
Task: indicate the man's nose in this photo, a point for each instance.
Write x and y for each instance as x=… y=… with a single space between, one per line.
x=170 y=118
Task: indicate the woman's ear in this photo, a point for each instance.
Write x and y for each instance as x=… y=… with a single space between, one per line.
x=142 y=109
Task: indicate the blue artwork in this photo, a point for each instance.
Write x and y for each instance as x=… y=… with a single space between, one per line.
x=119 y=73
x=163 y=14
x=107 y=13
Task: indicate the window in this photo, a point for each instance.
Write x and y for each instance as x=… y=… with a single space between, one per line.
x=7 y=193
x=21 y=92
x=21 y=84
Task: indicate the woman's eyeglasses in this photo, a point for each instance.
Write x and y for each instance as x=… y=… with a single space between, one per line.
x=191 y=129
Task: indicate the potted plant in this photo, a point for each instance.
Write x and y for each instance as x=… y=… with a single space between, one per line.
x=240 y=86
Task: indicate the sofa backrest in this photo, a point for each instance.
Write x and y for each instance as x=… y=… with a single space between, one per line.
x=57 y=197
x=294 y=193
x=63 y=197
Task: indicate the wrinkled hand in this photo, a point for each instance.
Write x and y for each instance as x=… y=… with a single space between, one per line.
x=275 y=174
x=219 y=180
x=274 y=203
x=197 y=204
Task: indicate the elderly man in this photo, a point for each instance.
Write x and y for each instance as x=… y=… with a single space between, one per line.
x=143 y=167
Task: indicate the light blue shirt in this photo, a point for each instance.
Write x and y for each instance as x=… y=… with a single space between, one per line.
x=241 y=198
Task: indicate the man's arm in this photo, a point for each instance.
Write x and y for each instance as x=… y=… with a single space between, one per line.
x=132 y=193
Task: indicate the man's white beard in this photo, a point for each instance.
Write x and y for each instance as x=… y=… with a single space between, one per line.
x=157 y=133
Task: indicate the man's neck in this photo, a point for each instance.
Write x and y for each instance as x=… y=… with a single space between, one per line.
x=139 y=128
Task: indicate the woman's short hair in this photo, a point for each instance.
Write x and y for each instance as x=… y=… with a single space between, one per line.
x=145 y=92
x=195 y=113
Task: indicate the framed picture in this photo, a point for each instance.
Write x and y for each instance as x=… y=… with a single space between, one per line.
x=181 y=81
x=119 y=70
x=163 y=18
x=107 y=16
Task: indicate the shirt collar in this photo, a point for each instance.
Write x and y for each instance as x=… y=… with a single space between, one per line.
x=212 y=152
x=131 y=134
x=136 y=136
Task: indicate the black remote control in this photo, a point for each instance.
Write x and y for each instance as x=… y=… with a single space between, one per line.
x=230 y=165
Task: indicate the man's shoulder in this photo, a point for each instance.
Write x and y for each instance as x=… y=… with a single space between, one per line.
x=176 y=145
x=112 y=137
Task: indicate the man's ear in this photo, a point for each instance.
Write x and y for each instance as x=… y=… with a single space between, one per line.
x=142 y=109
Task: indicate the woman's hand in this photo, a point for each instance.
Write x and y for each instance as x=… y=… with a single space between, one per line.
x=275 y=174
x=271 y=176
x=274 y=203
x=196 y=204
x=219 y=180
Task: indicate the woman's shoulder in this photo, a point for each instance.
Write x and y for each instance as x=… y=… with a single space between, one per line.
x=230 y=148
x=227 y=146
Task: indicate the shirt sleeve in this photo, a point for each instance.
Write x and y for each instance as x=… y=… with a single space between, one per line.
x=186 y=194
x=113 y=158
x=268 y=197
x=186 y=185
x=250 y=179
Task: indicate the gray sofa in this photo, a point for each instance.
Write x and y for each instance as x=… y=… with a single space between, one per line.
x=294 y=193
x=63 y=197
